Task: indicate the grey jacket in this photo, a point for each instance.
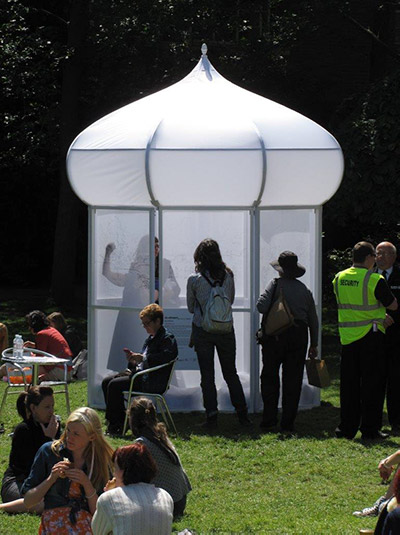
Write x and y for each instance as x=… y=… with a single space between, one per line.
x=300 y=301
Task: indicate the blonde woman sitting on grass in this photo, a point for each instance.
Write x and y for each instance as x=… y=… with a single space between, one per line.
x=69 y=474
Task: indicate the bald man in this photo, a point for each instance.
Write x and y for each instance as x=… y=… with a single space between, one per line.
x=386 y=255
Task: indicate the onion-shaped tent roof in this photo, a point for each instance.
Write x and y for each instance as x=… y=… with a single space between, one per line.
x=205 y=142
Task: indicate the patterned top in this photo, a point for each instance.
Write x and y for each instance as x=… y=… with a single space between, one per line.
x=198 y=291
x=137 y=509
x=170 y=477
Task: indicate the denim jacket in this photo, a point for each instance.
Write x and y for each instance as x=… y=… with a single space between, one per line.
x=57 y=495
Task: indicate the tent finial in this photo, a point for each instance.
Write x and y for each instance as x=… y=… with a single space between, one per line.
x=204 y=49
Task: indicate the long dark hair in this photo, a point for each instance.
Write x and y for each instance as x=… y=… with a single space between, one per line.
x=143 y=422
x=37 y=320
x=207 y=258
x=34 y=396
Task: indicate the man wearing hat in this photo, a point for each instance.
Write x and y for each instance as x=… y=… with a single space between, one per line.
x=362 y=297
x=289 y=348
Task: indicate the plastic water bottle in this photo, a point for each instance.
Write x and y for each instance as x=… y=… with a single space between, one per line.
x=15 y=344
x=19 y=346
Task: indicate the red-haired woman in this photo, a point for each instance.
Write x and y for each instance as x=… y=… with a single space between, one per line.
x=134 y=506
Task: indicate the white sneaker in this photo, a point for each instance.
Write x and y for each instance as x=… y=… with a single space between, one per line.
x=371 y=511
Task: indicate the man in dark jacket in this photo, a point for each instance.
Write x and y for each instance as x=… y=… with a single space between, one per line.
x=385 y=265
x=159 y=348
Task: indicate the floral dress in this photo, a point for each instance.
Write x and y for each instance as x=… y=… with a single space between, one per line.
x=69 y=520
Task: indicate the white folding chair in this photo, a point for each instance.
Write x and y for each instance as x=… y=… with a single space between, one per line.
x=160 y=403
x=33 y=352
x=63 y=386
x=18 y=379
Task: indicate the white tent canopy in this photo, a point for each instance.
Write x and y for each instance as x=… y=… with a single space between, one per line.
x=201 y=135
x=202 y=158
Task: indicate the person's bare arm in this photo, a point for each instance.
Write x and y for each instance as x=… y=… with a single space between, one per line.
x=33 y=496
x=116 y=278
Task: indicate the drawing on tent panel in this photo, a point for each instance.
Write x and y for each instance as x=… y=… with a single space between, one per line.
x=136 y=284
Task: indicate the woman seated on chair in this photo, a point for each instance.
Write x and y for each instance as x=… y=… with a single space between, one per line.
x=36 y=407
x=170 y=474
x=69 y=474
x=131 y=503
x=159 y=348
x=50 y=340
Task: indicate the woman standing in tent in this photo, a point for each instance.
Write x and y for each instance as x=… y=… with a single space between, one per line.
x=136 y=284
x=210 y=270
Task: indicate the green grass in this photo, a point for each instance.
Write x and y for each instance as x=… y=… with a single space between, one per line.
x=247 y=482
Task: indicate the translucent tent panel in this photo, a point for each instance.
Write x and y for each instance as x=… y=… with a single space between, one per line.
x=204 y=134
x=115 y=303
x=126 y=284
x=182 y=232
x=114 y=322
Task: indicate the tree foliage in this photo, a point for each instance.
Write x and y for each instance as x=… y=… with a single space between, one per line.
x=369 y=132
x=310 y=56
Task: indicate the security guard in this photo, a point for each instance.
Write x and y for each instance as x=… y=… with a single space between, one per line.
x=362 y=297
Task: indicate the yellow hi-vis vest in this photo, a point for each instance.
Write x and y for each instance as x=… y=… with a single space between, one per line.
x=358 y=308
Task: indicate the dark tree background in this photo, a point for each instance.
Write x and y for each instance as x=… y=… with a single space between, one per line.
x=65 y=64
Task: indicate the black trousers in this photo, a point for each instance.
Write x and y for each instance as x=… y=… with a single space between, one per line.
x=289 y=351
x=362 y=384
x=392 y=352
x=205 y=344
x=113 y=388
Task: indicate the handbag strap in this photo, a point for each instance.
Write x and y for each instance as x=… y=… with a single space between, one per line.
x=265 y=315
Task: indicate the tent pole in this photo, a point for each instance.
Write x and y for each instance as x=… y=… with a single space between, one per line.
x=254 y=316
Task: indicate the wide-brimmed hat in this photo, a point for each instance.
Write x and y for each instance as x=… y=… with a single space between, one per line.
x=288 y=264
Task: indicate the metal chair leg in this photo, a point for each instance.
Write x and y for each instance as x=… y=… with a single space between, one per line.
x=128 y=404
x=67 y=399
x=169 y=414
x=3 y=400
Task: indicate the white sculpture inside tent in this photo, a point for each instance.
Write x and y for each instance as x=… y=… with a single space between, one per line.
x=201 y=158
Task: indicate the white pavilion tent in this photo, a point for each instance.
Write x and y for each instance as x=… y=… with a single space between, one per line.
x=202 y=158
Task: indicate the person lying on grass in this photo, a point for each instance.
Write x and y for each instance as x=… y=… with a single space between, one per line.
x=385 y=468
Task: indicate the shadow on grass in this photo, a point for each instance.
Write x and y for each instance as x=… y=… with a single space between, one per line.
x=319 y=422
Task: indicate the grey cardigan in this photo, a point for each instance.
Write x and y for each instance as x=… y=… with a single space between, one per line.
x=300 y=301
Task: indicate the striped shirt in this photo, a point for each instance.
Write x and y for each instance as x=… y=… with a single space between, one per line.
x=137 y=509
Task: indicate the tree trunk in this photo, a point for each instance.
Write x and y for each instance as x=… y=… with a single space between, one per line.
x=64 y=261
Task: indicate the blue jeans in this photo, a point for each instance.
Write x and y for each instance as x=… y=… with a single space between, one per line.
x=205 y=344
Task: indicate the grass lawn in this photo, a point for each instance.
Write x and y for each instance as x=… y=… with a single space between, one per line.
x=247 y=482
